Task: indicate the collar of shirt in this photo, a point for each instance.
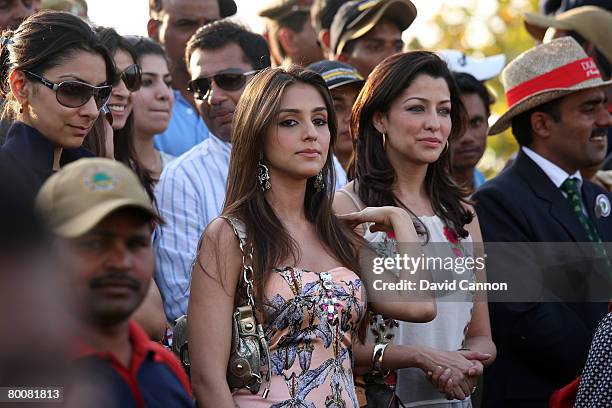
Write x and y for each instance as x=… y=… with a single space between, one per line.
x=220 y=144
x=31 y=146
x=555 y=173
x=142 y=346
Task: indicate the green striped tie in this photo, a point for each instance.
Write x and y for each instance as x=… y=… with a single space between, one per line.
x=570 y=187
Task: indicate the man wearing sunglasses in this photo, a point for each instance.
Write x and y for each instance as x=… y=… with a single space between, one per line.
x=172 y=23
x=222 y=57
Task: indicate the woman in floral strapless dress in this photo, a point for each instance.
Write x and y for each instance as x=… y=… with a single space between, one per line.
x=307 y=289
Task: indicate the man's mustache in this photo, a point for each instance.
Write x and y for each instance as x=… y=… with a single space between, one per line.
x=115 y=279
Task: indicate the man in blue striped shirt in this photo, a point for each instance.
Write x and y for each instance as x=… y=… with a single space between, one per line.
x=221 y=57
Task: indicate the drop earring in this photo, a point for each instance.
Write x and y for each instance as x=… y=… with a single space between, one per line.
x=319 y=184
x=263 y=176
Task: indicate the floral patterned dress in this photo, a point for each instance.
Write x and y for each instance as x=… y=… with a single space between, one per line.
x=311 y=318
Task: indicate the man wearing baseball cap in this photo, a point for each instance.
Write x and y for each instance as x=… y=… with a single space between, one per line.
x=365 y=32
x=289 y=32
x=558 y=114
x=102 y=218
x=344 y=83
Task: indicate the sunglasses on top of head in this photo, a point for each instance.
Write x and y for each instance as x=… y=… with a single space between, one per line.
x=228 y=81
x=131 y=76
x=74 y=94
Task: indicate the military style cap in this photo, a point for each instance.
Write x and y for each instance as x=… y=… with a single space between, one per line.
x=279 y=9
x=356 y=18
x=81 y=194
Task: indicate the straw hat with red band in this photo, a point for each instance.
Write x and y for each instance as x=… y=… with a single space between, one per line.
x=543 y=73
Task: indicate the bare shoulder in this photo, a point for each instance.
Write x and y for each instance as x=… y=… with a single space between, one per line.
x=473 y=227
x=343 y=203
x=219 y=248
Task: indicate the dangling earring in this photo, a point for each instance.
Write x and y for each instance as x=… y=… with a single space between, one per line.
x=263 y=176
x=446 y=147
x=384 y=138
x=319 y=184
x=21 y=109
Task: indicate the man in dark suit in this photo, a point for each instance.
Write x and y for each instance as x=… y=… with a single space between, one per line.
x=558 y=113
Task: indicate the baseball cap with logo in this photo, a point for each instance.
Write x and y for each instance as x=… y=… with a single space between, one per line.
x=336 y=73
x=82 y=193
x=544 y=73
x=356 y=18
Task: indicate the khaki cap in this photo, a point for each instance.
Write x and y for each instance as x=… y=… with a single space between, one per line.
x=279 y=9
x=81 y=194
x=544 y=73
x=591 y=22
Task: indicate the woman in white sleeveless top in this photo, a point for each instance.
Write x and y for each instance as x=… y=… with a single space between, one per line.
x=403 y=120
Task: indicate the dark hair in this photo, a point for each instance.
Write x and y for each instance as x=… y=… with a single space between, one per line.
x=467 y=84
x=521 y=123
x=322 y=13
x=220 y=33
x=255 y=114
x=123 y=139
x=43 y=41
x=145 y=46
x=372 y=169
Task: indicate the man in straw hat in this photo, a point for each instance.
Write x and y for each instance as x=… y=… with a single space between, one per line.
x=558 y=113
x=102 y=219
x=591 y=26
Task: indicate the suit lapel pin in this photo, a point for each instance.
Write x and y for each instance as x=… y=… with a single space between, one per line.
x=602 y=206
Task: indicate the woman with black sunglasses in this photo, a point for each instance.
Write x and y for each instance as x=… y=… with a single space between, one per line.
x=55 y=77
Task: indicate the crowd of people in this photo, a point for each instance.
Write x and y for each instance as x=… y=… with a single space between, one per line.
x=188 y=218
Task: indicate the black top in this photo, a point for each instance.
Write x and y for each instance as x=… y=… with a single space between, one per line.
x=29 y=154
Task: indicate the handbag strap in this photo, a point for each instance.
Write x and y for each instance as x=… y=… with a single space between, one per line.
x=247 y=258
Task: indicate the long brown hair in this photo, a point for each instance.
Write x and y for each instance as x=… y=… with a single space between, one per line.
x=371 y=167
x=255 y=114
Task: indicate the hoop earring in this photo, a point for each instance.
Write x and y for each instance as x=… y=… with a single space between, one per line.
x=263 y=177
x=319 y=184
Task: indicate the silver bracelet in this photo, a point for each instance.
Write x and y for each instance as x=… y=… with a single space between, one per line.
x=377 y=359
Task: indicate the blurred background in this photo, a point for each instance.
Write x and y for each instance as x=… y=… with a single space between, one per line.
x=478 y=27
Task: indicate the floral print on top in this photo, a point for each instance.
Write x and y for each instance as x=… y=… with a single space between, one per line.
x=310 y=321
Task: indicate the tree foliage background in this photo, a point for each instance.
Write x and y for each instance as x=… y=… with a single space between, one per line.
x=482 y=28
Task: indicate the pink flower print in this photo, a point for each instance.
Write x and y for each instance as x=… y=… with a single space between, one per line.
x=451 y=235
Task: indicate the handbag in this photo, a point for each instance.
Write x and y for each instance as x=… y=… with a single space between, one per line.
x=249 y=351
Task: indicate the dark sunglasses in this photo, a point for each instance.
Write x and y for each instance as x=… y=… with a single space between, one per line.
x=74 y=94
x=200 y=87
x=131 y=76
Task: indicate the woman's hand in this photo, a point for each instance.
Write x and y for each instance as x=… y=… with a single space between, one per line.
x=386 y=219
x=453 y=373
